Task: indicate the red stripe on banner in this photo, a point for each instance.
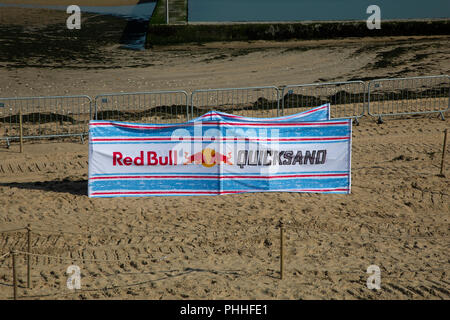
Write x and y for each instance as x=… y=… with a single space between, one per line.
x=296 y=124
x=306 y=112
x=220 y=115
x=221 y=177
x=154 y=192
x=241 y=117
x=207 y=192
x=213 y=138
x=221 y=123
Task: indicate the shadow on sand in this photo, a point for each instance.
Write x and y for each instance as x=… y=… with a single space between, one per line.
x=75 y=187
x=166 y=275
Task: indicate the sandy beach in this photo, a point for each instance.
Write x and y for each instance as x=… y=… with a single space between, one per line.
x=227 y=247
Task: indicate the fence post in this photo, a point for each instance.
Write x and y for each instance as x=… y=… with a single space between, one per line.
x=13 y=255
x=278 y=102
x=444 y=149
x=21 y=131
x=282 y=101
x=29 y=256
x=167 y=11
x=281 y=249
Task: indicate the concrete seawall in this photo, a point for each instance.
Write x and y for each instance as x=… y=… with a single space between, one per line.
x=159 y=34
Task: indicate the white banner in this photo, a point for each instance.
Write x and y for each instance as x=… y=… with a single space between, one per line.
x=217 y=156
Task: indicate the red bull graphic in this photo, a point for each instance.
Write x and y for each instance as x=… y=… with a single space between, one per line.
x=152 y=159
x=208 y=158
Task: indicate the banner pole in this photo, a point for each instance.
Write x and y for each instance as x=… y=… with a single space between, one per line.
x=281 y=250
x=444 y=149
x=13 y=254
x=29 y=256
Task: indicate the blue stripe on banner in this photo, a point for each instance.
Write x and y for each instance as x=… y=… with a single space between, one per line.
x=213 y=185
x=215 y=174
x=283 y=184
x=226 y=131
x=160 y=142
x=155 y=184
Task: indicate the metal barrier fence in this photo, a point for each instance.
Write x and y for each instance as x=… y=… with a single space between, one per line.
x=347 y=99
x=261 y=102
x=151 y=107
x=407 y=96
x=64 y=116
x=45 y=117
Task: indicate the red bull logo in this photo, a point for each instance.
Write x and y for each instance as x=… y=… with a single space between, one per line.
x=152 y=159
x=208 y=158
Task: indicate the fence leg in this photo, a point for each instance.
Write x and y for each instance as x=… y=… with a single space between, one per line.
x=380 y=120
x=14 y=258
x=281 y=250
x=21 y=131
x=29 y=257
x=356 y=122
x=444 y=151
x=442 y=116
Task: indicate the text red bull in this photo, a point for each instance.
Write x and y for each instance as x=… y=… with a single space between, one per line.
x=152 y=159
